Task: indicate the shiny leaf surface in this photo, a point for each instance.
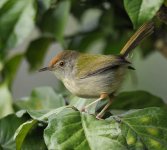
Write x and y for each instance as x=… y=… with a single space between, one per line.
x=145 y=129
x=73 y=130
x=17 y=21
x=136 y=129
x=141 y=11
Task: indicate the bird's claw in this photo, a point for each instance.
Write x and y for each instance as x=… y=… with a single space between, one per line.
x=84 y=109
x=99 y=117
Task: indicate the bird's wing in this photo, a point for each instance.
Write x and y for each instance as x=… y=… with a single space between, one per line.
x=89 y=65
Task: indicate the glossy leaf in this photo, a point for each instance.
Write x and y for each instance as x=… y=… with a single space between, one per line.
x=22 y=132
x=141 y=11
x=55 y=19
x=136 y=129
x=72 y=130
x=34 y=140
x=17 y=21
x=2 y=2
x=31 y=130
x=79 y=103
x=36 y=52
x=42 y=98
x=29 y=136
x=45 y=115
x=145 y=129
x=8 y=126
x=5 y=101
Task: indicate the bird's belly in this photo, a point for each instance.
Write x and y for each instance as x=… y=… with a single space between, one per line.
x=93 y=86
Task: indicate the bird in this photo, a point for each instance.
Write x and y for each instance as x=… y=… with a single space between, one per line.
x=96 y=75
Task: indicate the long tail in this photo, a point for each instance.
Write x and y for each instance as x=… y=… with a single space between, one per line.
x=145 y=30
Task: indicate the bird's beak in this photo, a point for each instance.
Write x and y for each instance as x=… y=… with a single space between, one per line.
x=44 y=69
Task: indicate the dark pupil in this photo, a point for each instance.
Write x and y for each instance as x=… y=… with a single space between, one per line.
x=61 y=63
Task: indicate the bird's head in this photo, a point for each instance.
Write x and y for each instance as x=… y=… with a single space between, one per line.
x=62 y=64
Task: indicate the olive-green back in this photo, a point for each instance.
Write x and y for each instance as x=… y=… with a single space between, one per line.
x=90 y=63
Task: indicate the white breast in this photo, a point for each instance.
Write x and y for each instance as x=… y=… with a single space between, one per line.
x=95 y=85
x=70 y=85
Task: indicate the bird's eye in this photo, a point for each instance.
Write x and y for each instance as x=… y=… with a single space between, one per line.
x=61 y=64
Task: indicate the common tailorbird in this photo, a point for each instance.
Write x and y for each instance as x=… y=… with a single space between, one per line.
x=95 y=75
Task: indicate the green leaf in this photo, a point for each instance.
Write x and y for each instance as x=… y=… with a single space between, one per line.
x=73 y=130
x=11 y=67
x=36 y=51
x=141 y=11
x=29 y=136
x=2 y=2
x=45 y=115
x=136 y=100
x=5 y=101
x=123 y=101
x=17 y=21
x=35 y=140
x=22 y=132
x=136 y=129
x=30 y=129
x=55 y=19
x=145 y=129
x=42 y=98
x=8 y=126
x=79 y=103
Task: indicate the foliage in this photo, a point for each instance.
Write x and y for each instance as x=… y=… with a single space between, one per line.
x=5 y=101
x=60 y=126
x=141 y=11
x=7 y=131
x=17 y=21
x=136 y=120
x=40 y=99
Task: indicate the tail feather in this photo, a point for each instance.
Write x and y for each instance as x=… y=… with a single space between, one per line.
x=144 y=31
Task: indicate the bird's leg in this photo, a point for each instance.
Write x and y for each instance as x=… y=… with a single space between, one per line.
x=100 y=115
x=102 y=96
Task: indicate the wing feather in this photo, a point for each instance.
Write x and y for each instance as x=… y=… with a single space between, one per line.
x=89 y=65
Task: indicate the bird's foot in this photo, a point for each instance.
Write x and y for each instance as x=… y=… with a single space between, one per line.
x=99 y=117
x=84 y=110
